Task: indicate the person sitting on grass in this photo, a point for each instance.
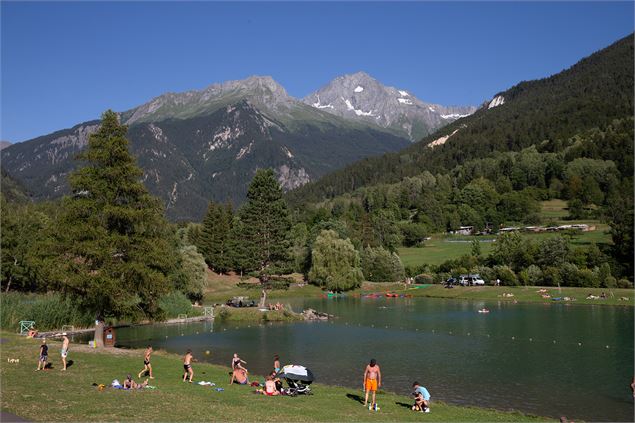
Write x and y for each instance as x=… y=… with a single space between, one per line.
x=422 y=398
x=44 y=354
x=270 y=387
x=277 y=382
x=240 y=376
x=131 y=384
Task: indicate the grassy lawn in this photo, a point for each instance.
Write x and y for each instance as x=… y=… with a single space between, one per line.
x=69 y=396
x=440 y=248
x=554 y=209
x=220 y=288
x=525 y=294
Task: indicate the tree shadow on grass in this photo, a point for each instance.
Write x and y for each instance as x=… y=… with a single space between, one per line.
x=403 y=404
x=354 y=397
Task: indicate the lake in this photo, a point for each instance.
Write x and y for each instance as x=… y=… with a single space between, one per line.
x=545 y=359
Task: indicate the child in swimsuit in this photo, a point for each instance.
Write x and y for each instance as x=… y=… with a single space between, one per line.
x=276 y=363
x=236 y=362
x=187 y=366
x=44 y=353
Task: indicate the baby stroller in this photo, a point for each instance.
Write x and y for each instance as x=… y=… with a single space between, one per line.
x=298 y=378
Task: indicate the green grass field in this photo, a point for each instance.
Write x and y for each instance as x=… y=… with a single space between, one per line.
x=526 y=294
x=439 y=248
x=554 y=209
x=70 y=396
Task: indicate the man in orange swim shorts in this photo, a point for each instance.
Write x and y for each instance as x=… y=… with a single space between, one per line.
x=372 y=380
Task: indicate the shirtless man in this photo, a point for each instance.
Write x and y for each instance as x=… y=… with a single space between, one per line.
x=64 y=351
x=187 y=366
x=372 y=380
x=147 y=367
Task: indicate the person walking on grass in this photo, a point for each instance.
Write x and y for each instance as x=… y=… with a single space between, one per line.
x=64 y=352
x=147 y=367
x=372 y=381
x=44 y=355
x=187 y=366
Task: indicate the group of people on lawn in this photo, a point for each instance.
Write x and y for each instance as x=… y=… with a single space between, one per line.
x=43 y=363
x=372 y=381
x=239 y=374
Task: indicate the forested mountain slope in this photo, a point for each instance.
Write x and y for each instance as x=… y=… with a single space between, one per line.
x=590 y=94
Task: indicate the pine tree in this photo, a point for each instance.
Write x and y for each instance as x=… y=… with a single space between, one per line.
x=115 y=248
x=266 y=227
x=214 y=237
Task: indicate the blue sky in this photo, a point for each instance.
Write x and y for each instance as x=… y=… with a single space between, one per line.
x=64 y=63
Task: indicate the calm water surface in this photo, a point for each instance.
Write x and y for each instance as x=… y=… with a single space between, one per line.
x=549 y=359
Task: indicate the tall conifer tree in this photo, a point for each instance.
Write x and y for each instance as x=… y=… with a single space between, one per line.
x=265 y=227
x=115 y=248
x=214 y=238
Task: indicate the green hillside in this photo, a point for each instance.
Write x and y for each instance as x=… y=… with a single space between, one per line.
x=590 y=94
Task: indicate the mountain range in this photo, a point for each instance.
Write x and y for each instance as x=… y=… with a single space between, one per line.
x=592 y=93
x=197 y=146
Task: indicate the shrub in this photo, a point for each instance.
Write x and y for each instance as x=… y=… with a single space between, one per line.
x=587 y=278
x=424 y=279
x=176 y=303
x=49 y=311
x=506 y=275
x=624 y=283
x=335 y=263
x=379 y=265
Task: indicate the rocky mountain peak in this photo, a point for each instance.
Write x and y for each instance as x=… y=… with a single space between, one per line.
x=360 y=96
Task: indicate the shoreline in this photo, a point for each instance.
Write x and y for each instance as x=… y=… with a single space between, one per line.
x=116 y=360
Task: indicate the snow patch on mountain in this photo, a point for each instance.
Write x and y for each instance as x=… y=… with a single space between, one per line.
x=357 y=111
x=404 y=93
x=322 y=106
x=454 y=116
x=404 y=101
x=287 y=152
x=497 y=101
x=358 y=89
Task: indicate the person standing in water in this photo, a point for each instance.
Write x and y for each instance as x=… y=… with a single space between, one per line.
x=372 y=380
x=147 y=367
x=187 y=366
x=64 y=352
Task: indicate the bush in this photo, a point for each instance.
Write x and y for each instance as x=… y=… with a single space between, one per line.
x=587 y=278
x=335 y=263
x=624 y=283
x=551 y=276
x=506 y=275
x=176 y=303
x=534 y=275
x=424 y=279
x=49 y=311
x=379 y=265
